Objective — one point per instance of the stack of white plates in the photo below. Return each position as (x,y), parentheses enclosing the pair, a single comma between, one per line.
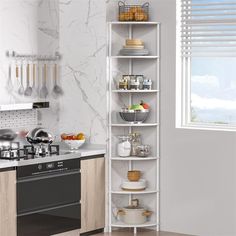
(134,185)
(134,47)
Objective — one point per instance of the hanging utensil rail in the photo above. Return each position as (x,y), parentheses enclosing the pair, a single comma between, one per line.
(14,55)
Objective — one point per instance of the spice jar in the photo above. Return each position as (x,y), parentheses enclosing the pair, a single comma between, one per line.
(140,78)
(124,146)
(135,142)
(143,150)
(124,82)
(147,84)
(134,83)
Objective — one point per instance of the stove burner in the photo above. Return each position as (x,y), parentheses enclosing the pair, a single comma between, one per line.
(11,151)
(41,150)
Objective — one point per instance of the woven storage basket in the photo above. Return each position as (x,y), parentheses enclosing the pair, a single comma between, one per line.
(133,12)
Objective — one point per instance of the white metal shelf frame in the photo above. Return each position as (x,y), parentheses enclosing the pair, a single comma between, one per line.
(111,125)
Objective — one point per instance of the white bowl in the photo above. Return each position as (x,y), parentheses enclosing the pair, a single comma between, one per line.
(75,144)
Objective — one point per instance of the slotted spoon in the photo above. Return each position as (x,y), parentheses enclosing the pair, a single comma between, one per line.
(44,91)
(57,90)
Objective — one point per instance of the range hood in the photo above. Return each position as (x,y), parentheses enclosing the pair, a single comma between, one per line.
(24,106)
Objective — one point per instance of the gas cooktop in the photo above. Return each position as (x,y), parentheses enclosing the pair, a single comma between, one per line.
(12,151)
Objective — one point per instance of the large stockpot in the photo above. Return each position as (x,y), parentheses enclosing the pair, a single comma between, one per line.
(133,215)
(39,135)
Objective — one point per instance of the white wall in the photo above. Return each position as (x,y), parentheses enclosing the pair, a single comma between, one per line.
(198,168)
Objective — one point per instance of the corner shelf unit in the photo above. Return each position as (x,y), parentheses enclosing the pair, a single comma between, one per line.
(149,66)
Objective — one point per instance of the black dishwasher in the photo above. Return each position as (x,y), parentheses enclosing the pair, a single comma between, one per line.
(48,198)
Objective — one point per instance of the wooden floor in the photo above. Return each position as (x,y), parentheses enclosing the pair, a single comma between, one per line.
(126,233)
(143,233)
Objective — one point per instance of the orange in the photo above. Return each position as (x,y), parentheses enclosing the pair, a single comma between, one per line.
(80,136)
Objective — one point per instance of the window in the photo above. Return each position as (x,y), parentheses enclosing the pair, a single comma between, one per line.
(206,63)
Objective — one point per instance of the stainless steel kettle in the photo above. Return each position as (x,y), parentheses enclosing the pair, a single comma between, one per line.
(39,135)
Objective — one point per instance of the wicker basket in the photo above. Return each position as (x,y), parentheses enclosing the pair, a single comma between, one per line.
(133,12)
(134,175)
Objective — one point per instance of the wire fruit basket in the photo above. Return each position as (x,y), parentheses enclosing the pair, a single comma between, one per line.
(133,12)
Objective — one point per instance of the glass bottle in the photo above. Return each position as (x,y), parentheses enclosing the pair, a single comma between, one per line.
(135,142)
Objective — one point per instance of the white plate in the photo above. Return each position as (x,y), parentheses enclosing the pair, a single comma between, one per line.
(134,185)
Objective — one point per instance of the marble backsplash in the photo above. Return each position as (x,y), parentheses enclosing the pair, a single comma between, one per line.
(77,30)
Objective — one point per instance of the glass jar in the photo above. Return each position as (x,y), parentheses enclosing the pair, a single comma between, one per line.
(147,84)
(124,146)
(140,78)
(135,142)
(134,83)
(123,83)
(143,150)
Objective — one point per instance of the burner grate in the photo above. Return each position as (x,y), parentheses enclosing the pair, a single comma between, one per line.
(42,150)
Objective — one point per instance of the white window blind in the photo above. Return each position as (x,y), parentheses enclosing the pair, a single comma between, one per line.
(208,28)
(206,64)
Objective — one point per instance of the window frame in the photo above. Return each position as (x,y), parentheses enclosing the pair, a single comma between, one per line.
(183,88)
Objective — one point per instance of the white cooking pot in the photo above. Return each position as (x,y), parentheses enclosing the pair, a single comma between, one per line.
(133,215)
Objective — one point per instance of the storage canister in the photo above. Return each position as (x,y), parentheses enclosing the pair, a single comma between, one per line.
(124,146)
(147,84)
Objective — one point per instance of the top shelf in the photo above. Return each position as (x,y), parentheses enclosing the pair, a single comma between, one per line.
(134,23)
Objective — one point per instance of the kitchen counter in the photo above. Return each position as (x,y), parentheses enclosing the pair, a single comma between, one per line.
(88,150)
(65,153)
(7,164)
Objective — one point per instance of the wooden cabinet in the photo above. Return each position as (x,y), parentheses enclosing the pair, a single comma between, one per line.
(92,194)
(8,203)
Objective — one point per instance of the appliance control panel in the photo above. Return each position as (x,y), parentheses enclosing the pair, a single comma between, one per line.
(48,168)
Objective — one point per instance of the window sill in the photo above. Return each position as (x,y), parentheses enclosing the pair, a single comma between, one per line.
(208,127)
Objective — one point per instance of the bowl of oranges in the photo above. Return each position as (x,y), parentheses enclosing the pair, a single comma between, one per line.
(74,141)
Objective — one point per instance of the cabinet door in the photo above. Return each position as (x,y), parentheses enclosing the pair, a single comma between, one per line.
(92,194)
(8,203)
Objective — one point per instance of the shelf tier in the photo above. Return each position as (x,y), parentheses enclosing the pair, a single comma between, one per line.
(122,192)
(133,57)
(134,125)
(134,158)
(123,225)
(135,91)
(134,23)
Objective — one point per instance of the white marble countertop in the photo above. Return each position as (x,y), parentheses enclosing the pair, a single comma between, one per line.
(87,150)
(65,153)
(7,164)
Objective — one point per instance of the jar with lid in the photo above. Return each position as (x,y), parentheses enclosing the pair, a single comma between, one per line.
(124,82)
(135,142)
(134,83)
(124,146)
(140,78)
(147,84)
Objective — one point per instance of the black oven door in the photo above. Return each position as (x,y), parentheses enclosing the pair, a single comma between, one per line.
(48,204)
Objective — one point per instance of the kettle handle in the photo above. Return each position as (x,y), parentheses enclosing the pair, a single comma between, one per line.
(120,212)
(147,213)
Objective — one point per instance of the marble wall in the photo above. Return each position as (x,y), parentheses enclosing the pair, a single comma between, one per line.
(83,68)
(27,27)
(77,29)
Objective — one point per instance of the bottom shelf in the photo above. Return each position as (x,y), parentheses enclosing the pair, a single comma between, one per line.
(123,225)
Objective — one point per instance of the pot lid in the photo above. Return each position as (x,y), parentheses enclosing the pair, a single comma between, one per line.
(133,208)
(39,135)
